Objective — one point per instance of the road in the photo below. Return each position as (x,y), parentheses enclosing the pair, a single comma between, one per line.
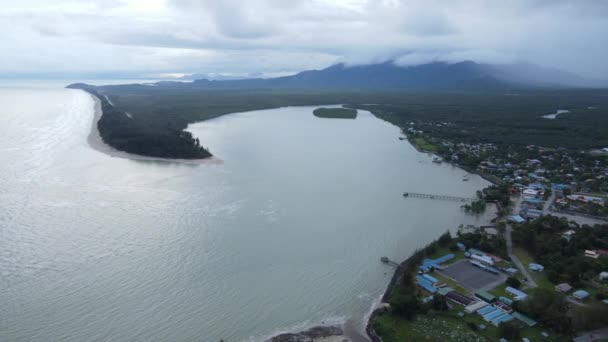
(600,334)
(508,230)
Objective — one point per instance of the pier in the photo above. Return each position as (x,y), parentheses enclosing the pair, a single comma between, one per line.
(439,197)
(386,260)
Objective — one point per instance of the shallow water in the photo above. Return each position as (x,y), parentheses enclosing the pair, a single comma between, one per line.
(285,234)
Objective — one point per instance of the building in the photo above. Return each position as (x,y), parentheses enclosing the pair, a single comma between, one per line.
(523,318)
(517,294)
(580,294)
(484,259)
(592,254)
(473,307)
(536,267)
(564,287)
(485,296)
(604,276)
(517,219)
(459,298)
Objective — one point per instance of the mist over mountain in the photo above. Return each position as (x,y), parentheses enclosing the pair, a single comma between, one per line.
(465,75)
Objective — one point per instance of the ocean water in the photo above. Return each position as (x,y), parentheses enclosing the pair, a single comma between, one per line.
(285,234)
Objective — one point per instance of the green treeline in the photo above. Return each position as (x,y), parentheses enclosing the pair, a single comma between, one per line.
(161,113)
(335,113)
(134,135)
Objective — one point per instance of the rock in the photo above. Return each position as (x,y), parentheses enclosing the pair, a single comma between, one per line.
(306,336)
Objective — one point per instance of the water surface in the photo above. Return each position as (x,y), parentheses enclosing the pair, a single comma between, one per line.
(285,234)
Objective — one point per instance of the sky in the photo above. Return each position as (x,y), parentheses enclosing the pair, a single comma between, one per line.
(166,38)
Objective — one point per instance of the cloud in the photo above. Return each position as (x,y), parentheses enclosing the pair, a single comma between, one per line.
(276,36)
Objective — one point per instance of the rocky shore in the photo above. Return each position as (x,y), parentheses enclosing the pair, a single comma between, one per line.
(317,334)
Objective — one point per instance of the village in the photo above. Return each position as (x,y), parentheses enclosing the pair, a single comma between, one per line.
(540,271)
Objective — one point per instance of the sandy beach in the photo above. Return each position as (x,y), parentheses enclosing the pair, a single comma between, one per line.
(96,142)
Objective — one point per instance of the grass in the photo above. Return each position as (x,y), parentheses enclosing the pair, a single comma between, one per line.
(447,326)
(451,283)
(539,277)
(441,251)
(499,291)
(424,145)
(430,327)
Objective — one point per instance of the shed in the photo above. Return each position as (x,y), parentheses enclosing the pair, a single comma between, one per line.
(461,246)
(485,296)
(580,294)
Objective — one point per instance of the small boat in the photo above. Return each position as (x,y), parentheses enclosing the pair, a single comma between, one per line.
(406,194)
(384,260)
(437,160)
(401,138)
(465,178)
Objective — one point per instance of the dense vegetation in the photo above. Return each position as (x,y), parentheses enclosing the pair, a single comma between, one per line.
(564,259)
(503,118)
(335,113)
(138,136)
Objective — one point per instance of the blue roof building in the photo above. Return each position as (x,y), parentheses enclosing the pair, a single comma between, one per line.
(517,295)
(518,219)
(580,294)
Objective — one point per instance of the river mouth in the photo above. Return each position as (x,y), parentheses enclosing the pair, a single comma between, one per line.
(286,234)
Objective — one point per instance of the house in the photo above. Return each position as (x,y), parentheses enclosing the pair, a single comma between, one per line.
(592,254)
(530,193)
(461,246)
(511,270)
(568,234)
(564,287)
(517,219)
(517,295)
(536,267)
(580,294)
(490,231)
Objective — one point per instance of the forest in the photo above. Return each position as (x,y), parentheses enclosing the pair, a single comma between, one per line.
(161,113)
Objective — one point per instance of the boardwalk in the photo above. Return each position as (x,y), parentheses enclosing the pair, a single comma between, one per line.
(439,197)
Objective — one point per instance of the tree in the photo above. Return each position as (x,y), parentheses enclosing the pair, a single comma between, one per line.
(445,239)
(439,303)
(513,282)
(509,330)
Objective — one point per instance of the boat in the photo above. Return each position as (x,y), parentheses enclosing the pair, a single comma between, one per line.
(465,178)
(401,138)
(437,160)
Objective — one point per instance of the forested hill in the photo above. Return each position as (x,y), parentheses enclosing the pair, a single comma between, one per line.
(436,76)
(137,135)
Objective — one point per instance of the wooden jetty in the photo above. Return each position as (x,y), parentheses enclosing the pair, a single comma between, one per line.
(439,197)
(386,260)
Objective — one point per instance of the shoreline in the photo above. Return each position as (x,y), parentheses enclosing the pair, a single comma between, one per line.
(398,273)
(95,141)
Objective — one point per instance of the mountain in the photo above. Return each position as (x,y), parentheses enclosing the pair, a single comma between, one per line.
(432,76)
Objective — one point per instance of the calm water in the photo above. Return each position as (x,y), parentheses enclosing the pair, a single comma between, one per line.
(286,234)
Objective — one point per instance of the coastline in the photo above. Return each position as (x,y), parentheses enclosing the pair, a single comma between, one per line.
(96,142)
(378,308)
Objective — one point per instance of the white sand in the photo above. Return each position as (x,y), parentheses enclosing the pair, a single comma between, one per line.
(95,141)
